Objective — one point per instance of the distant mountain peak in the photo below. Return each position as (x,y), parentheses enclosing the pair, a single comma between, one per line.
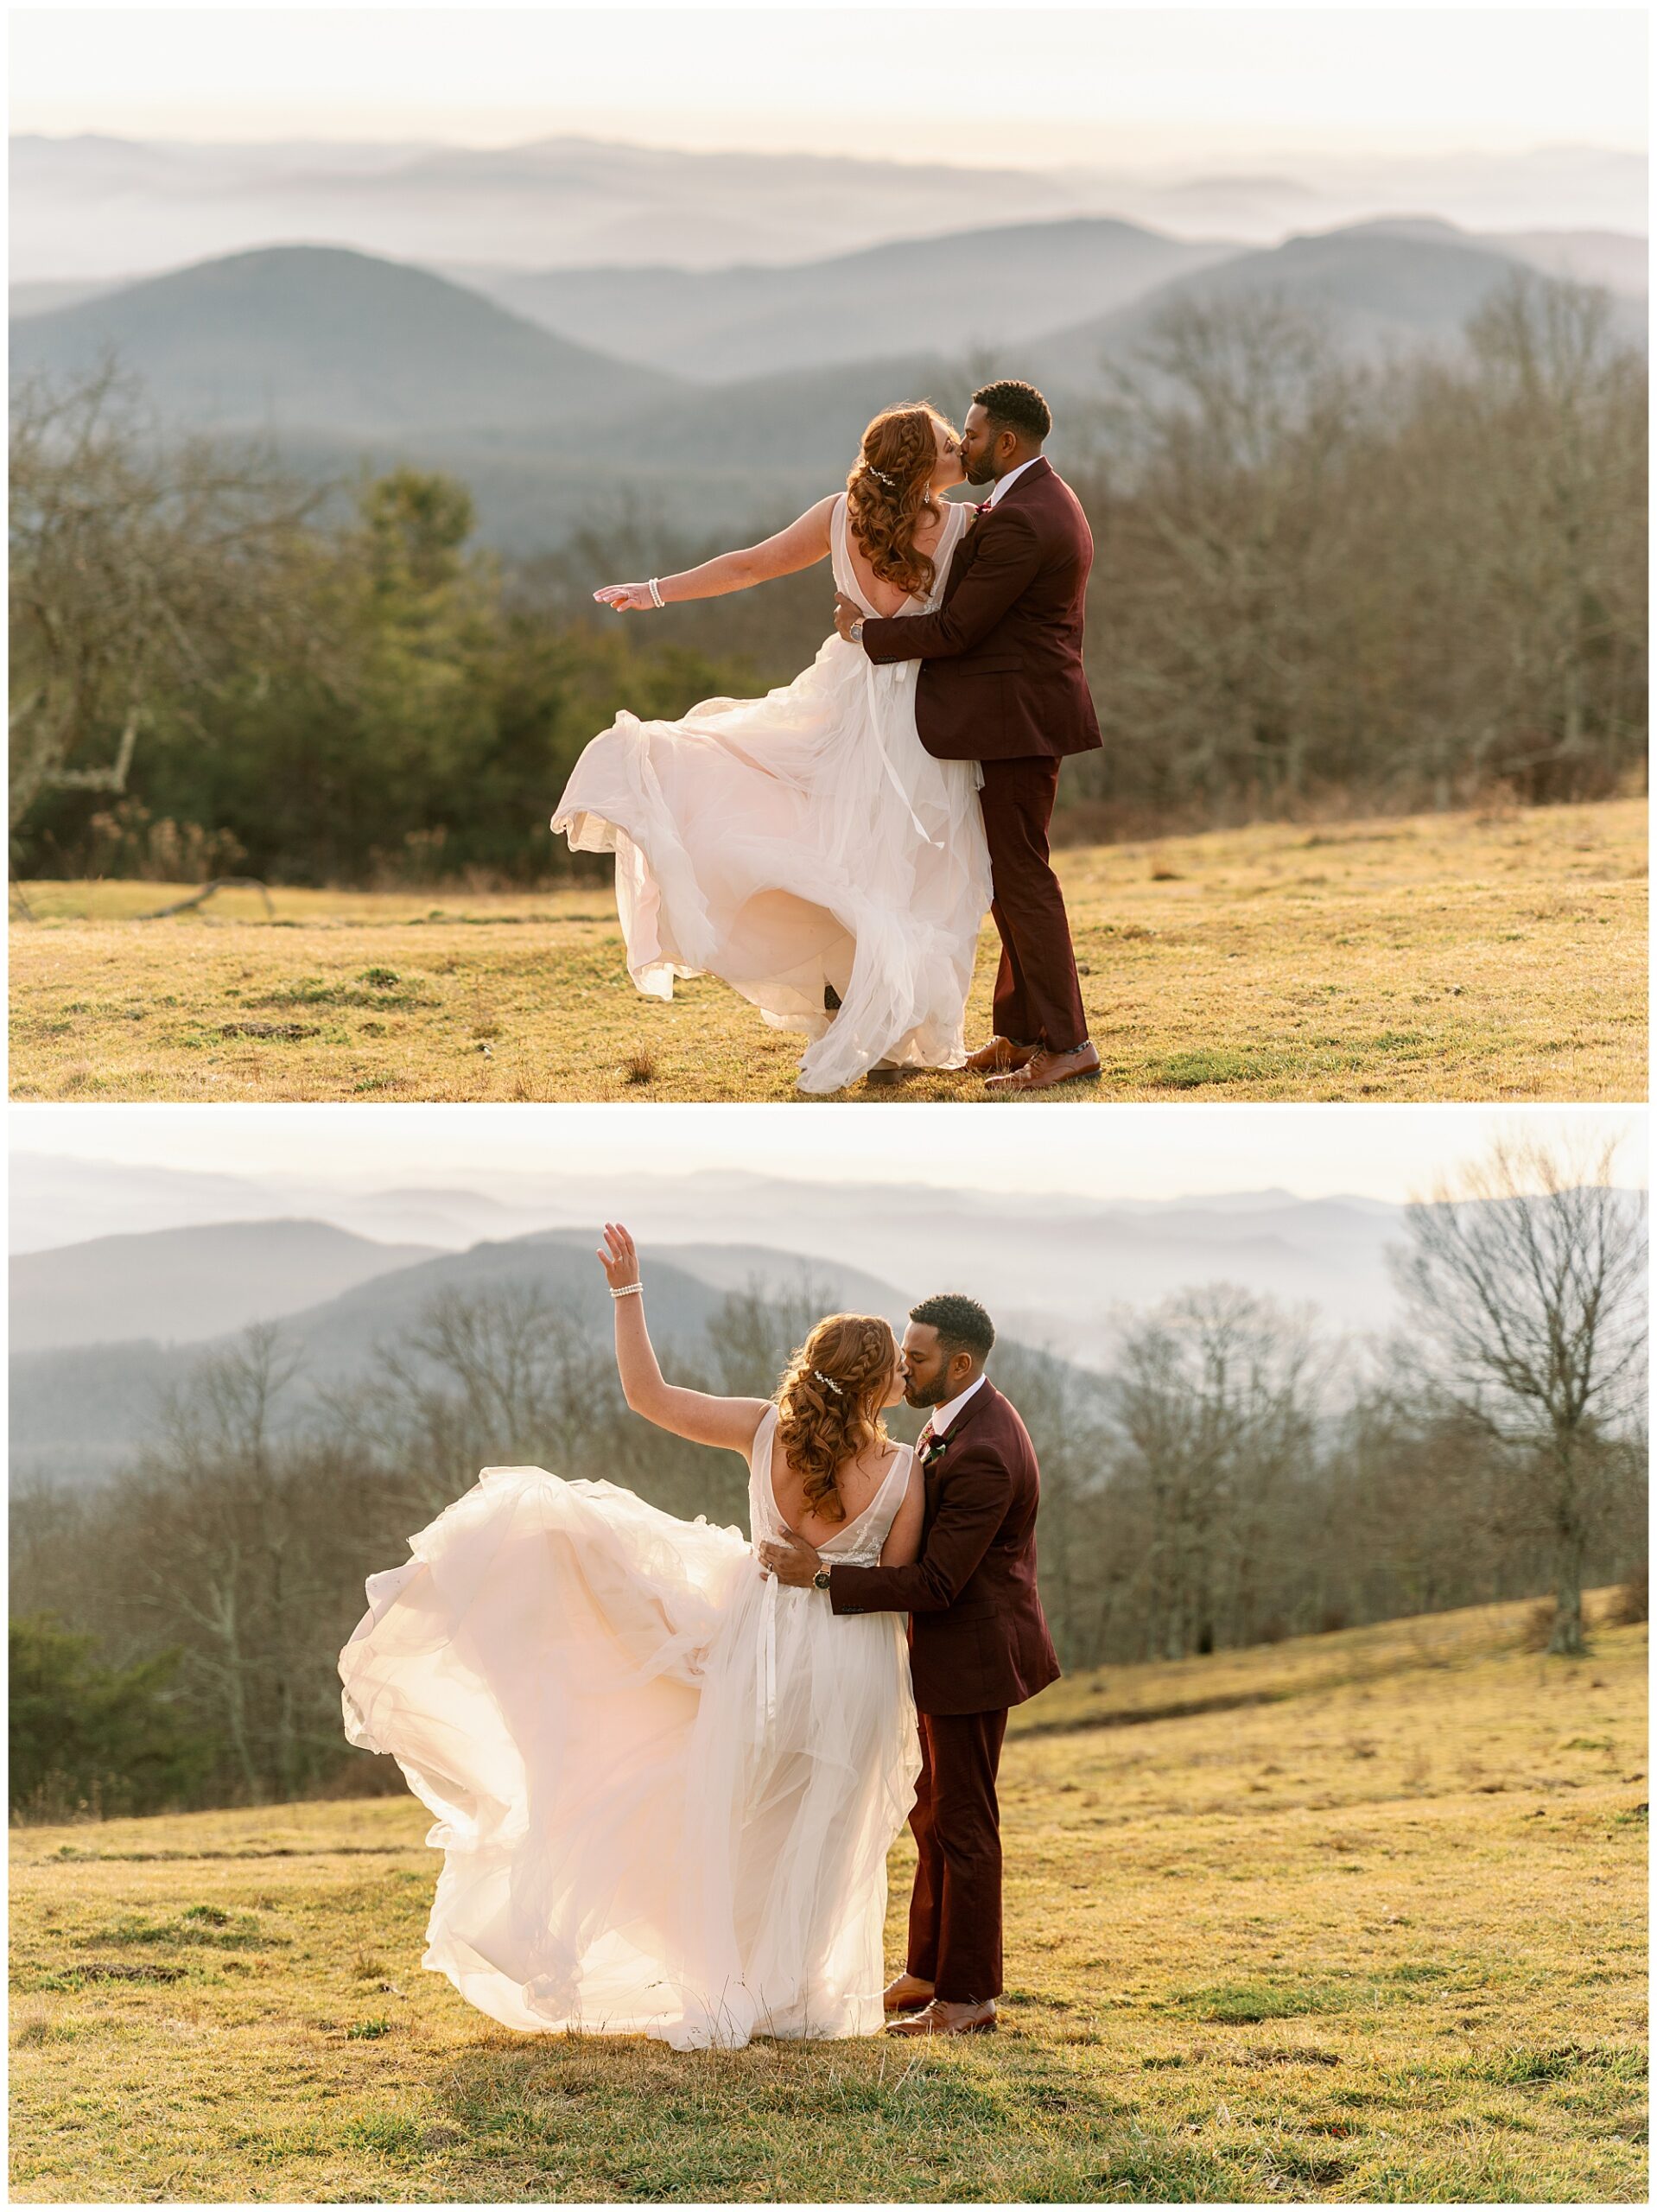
(312,336)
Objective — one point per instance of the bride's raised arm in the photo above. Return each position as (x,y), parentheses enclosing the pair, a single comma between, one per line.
(803,543)
(731,1423)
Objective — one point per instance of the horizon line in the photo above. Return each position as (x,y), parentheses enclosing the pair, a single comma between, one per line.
(1456,150)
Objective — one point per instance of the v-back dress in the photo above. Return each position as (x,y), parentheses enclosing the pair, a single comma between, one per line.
(802,840)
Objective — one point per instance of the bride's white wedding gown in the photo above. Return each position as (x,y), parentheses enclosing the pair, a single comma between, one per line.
(665,1785)
(803,839)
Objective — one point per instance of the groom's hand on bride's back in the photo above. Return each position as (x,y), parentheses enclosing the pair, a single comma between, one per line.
(792,1561)
(846,611)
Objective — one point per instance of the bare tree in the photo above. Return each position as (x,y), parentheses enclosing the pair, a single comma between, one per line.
(1321,581)
(513,1374)
(1525,1276)
(1215,1402)
(1506,550)
(211,1549)
(1233,433)
(494,1376)
(755,1331)
(141,576)
(1563,429)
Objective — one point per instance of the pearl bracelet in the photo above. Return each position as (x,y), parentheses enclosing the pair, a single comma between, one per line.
(628,1290)
(656,591)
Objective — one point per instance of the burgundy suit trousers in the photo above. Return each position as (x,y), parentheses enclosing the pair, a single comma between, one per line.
(954,1914)
(1037,997)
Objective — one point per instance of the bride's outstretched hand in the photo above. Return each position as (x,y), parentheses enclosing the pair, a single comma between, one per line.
(624,599)
(618,1257)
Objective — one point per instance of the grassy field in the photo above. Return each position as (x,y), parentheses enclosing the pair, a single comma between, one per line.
(1449,956)
(1366,1924)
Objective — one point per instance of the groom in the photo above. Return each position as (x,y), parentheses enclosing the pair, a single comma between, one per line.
(1001,681)
(978,1644)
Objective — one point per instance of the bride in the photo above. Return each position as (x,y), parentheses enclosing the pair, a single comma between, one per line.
(805,847)
(665,1785)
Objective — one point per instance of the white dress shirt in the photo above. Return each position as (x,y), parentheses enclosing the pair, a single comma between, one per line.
(1003,484)
(945,1414)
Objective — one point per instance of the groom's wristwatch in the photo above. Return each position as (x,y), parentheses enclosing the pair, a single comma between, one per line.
(820,1580)
(854,635)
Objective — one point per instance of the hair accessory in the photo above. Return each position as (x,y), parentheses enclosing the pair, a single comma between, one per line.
(628,1290)
(656,591)
(828,1382)
(880,477)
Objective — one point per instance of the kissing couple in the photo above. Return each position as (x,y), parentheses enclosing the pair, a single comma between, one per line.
(668,1762)
(830,849)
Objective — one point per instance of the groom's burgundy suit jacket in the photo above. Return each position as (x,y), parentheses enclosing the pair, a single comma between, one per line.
(978,1639)
(1001,676)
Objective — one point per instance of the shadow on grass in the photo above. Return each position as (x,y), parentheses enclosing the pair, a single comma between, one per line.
(846,2121)
(1245,2004)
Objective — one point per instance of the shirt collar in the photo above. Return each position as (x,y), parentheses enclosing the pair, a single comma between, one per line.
(1003,484)
(945,1414)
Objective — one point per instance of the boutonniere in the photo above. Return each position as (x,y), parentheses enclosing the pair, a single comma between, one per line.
(933,1452)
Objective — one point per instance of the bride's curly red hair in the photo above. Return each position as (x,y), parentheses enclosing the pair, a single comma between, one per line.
(828,1402)
(886,492)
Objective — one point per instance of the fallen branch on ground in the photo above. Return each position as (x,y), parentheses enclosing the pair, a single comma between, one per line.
(201,898)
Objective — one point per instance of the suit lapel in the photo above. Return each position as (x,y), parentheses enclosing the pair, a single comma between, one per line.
(974,1406)
(932,1476)
(1039,471)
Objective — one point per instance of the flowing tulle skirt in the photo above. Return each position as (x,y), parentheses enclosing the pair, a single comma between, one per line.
(797,840)
(665,1787)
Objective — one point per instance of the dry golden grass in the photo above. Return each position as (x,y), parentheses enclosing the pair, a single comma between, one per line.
(1376,1934)
(1447,956)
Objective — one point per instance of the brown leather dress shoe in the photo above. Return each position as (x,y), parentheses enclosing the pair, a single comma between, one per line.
(941,2018)
(999,1057)
(1044,1069)
(907,1994)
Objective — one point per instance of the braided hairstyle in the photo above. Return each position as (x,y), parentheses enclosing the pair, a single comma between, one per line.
(889,491)
(829,1403)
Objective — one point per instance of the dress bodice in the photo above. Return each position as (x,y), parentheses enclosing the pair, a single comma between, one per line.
(957,518)
(859,1542)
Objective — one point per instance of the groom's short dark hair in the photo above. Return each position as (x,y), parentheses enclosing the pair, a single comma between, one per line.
(1015,406)
(962,1324)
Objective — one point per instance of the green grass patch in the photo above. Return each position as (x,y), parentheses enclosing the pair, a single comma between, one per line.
(1196,1071)
(219,1931)
(1245,2004)
(383,990)
(1560,2062)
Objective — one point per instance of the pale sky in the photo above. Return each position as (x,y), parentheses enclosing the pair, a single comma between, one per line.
(1149,89)
(1122,1151)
